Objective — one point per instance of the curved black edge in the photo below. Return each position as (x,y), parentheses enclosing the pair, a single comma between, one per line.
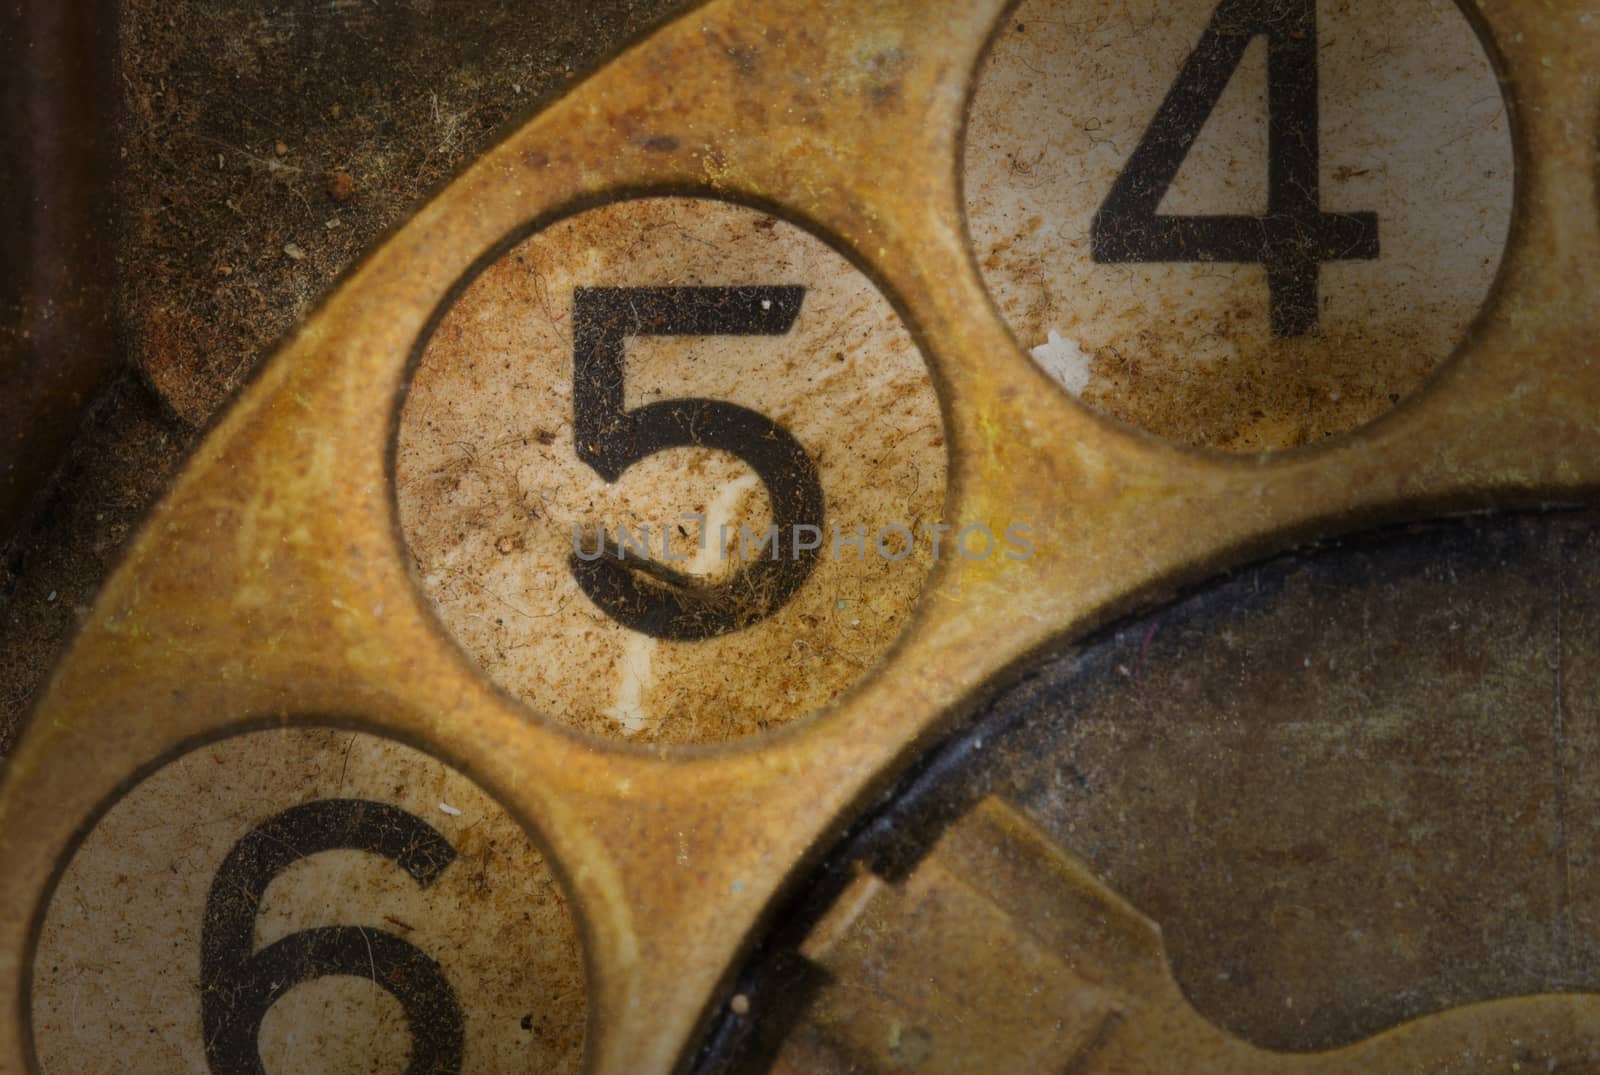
(894,834)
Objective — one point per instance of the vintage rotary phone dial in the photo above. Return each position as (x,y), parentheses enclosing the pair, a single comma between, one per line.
(692,599)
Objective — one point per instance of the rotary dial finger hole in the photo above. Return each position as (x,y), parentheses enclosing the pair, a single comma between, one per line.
(669,470)
(1248,225)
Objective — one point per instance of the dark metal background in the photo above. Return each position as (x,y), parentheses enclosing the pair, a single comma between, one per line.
(1354,785)
(152,228)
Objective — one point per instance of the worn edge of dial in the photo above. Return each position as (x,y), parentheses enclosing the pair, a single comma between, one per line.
(1128,515)
(895,832)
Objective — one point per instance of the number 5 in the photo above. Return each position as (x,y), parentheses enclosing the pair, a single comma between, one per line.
(610,438)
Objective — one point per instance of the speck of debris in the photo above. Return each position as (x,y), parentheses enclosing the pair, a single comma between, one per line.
(1065,361)
(341,184)
(294,251)
(527,1021)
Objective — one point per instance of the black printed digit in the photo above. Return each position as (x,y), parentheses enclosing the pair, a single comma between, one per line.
(1295,236)
(238,984)
(609,438)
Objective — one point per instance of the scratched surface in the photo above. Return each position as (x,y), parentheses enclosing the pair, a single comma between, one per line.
(1408,124)
(1354,787)
(121,982)
(496,488)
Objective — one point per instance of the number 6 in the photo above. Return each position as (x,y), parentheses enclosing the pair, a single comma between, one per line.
(239,985)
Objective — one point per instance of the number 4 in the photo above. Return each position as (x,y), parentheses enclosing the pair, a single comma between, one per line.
(1295,236)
